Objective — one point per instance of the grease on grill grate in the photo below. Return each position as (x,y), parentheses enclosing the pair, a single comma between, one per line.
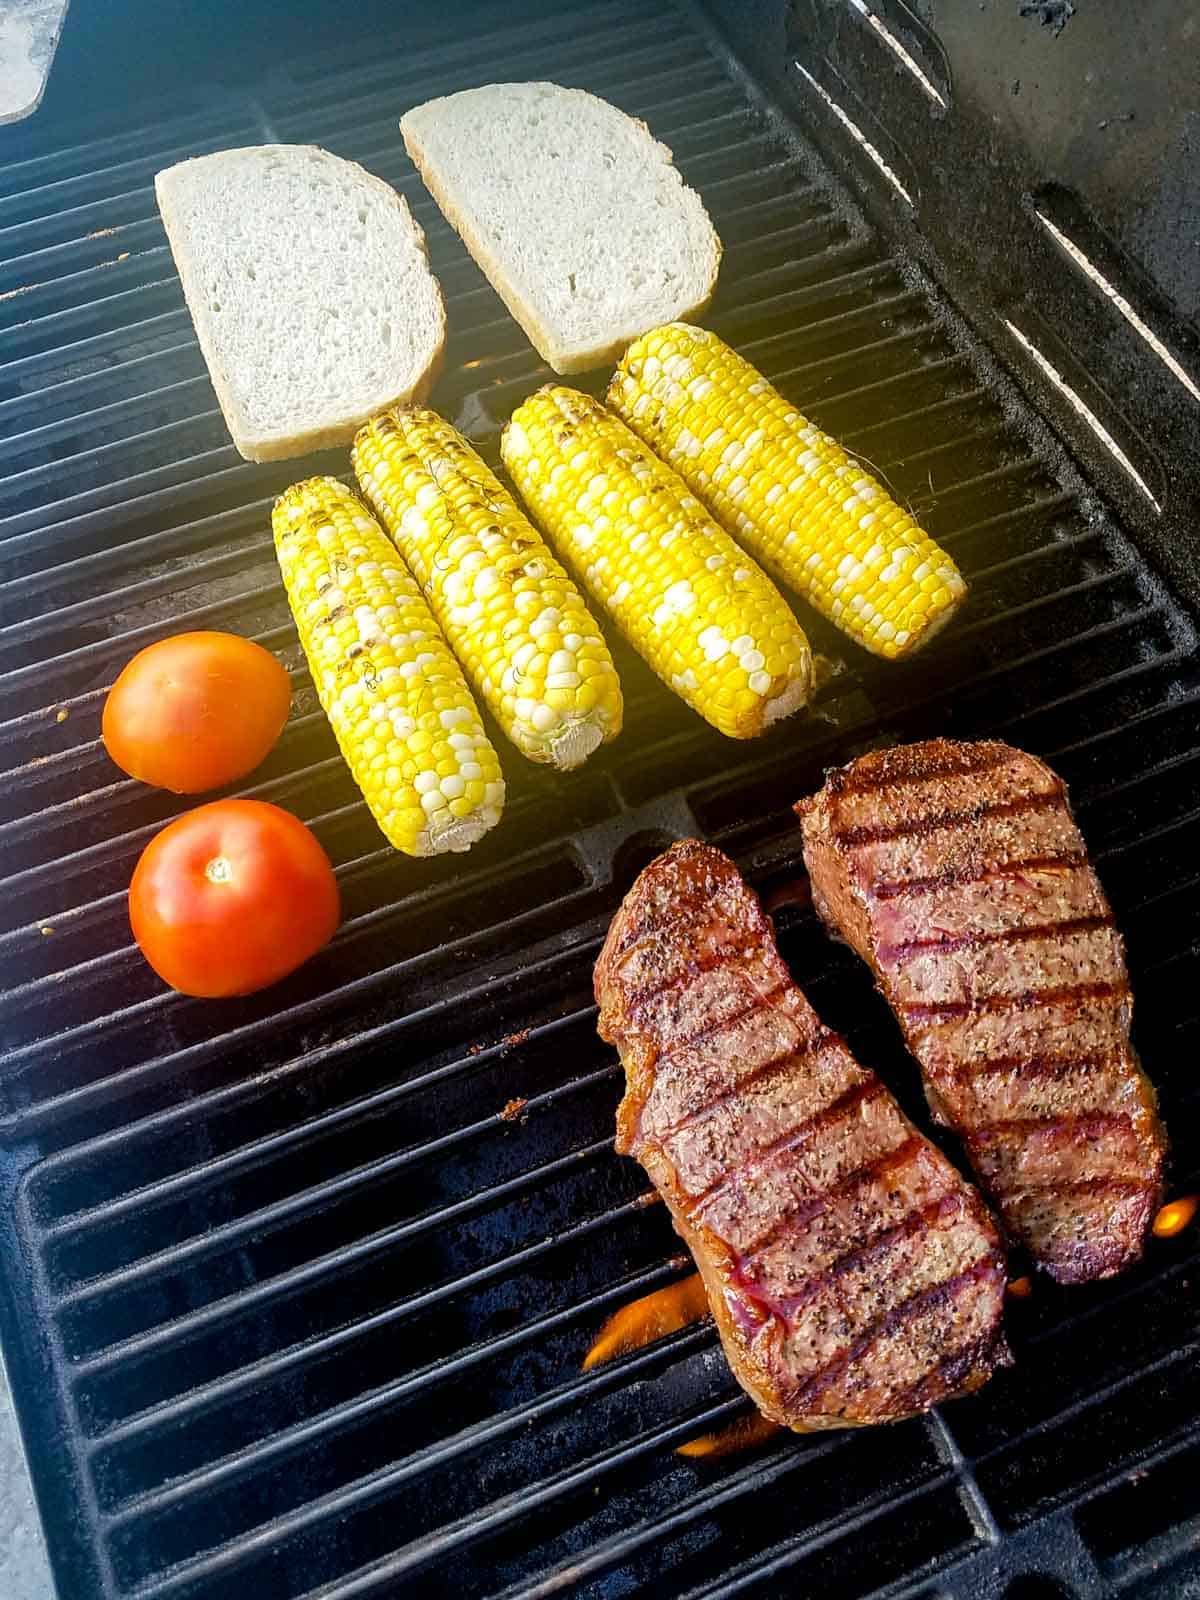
(296,1307)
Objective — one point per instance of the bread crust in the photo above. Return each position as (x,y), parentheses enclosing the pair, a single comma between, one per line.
(340,430)
(562,359)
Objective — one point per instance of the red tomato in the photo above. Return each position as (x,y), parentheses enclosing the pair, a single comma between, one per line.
(232,897)
(196,712)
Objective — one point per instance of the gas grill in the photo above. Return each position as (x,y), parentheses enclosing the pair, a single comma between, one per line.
(296,1288)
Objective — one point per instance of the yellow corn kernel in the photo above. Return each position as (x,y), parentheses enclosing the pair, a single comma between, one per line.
(393,692)
(701,613)
(513,616)
(814,517)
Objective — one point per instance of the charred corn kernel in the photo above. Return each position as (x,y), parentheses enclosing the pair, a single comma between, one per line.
(512,614)
(815,518)
(1174,1217)
(705,617)
(401,710)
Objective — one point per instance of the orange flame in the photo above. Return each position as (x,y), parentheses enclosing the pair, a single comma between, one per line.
(652,1317)
(1174,1217)
(744,1433)
(1020,1288)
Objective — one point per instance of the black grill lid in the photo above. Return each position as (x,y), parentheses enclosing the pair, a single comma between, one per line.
(289,1307)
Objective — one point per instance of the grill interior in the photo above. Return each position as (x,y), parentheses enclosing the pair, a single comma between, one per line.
(293,1305)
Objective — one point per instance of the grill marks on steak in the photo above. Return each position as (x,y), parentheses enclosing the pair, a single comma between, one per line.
(853,1275)
(957,872)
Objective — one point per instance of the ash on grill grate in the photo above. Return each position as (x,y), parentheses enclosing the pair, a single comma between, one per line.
(294,1306)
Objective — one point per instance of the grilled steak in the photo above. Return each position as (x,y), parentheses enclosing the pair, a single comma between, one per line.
(957,872)
(854,1276)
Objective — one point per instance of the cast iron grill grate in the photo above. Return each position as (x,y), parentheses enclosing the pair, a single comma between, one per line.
(291,1308)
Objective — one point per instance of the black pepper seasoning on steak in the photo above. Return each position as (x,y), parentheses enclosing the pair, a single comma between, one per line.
(957,872)
(854,1276)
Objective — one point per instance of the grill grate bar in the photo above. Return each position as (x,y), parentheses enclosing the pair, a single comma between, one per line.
(27,402)
(334,87)
(1150,835)
(1091,1401)
(164,545)
(115,492)
(168,1414)
(169,999)
(17,374)
(305,1201)
(950,407)
(228,563)
(46,260)
(76,1101)
(1102,630)
(1101,580)
(1176,704)
(1163,664)
(1185,886)
(134,638)
(1171,764)
(143,493)
(765,347)
(71,319)
(49,433)
(371,121)
(30,295)
(856,274)
(1088,1483)
(1123,1296)
(319,1267)
(748,1479)
(210,125)
(31,475)
(581,1388)
(1040,508)
(756,285)
(193,1179)
(1088,539)
(19,935)
(800,186)
(753,1572)
(271,787)
(478,1525)
(107,209)
(786,377)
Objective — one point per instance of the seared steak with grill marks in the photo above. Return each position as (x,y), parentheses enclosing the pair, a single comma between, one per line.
(854,1276)
(957,872)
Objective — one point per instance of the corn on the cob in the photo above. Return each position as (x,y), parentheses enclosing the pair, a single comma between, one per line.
(789,492)
(705,617)
(403,715)
(513,616)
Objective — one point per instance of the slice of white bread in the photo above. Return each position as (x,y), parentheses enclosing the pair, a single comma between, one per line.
(573,210)
(310,289)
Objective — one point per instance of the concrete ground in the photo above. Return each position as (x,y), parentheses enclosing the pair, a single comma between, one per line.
(24,1572)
